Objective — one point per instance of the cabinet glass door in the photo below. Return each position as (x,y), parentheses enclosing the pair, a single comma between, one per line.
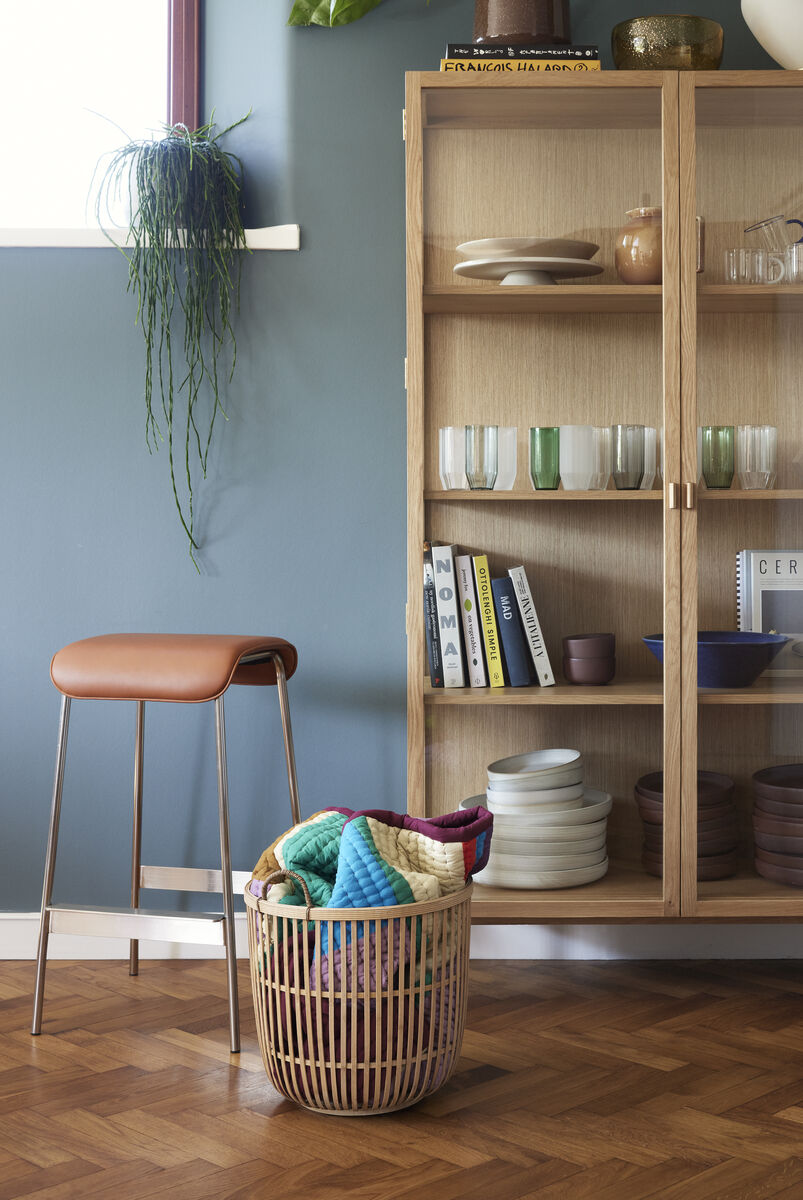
(518,192)
(741,150)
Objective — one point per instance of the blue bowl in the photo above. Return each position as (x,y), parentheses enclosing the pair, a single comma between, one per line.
(726,658)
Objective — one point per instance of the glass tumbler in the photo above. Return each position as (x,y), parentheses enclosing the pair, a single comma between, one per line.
(482,456)
(452,456)
(545,457)
(627,456)
(718,456)
(650,458)
(506,474)
(745,265)
(793,263)
(576,457)
(602,458)
(756,456)
(775,233)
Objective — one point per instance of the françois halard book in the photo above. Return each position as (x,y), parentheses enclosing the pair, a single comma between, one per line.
(449,623)
(515,648)
(493,657)
(532,627)
(512,66)
(472,629)
(431,621)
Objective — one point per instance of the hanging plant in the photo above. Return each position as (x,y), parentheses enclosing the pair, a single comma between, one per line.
(183,248)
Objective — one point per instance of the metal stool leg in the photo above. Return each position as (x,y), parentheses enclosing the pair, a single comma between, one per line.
(287,730)
(225,867)
(136,837)
(50,866)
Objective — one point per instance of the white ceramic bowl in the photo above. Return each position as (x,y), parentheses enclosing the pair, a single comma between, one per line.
(523,848)
(596,805)
(508,810)
(545,862)
(534,762)
(558,795)
(493,876)
(560,777)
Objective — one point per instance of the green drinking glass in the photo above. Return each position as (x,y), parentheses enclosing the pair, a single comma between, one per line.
(545,457)
(718,456)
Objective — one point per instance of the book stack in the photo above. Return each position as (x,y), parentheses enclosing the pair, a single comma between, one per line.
(480,632)
(467,57)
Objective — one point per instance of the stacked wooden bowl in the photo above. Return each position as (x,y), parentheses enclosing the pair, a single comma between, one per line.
(717,830)
(778,823)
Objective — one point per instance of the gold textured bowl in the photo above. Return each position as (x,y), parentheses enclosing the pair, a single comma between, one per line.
(667,43)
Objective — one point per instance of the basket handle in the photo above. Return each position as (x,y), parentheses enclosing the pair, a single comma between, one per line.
(280,876)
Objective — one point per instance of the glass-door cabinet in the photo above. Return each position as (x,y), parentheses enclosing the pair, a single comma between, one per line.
(741,138)
(519,320)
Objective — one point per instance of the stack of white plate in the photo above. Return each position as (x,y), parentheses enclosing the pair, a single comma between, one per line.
(549,829)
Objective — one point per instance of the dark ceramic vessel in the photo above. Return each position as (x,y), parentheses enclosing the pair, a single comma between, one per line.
(728,658)
(589,645)
(595,671)
(712,788)
(778,808)
(784,783)
(785,875)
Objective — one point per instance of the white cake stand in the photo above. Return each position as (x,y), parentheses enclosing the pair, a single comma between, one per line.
(527,272)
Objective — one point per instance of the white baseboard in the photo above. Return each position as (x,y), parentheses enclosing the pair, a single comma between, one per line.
(19,932)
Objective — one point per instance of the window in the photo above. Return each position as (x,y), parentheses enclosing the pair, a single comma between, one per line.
(78,78)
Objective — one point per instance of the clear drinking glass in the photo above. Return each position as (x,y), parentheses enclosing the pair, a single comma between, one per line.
(774,232)
(602,457)
(650,458)
(576,457)
(452,456)
(756,456)
(793,263)
(506,474)
(718,456)
(746,265)
(627,456)
(545,457)
(482,456)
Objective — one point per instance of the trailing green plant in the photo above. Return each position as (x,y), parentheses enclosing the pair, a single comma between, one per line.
(183,245)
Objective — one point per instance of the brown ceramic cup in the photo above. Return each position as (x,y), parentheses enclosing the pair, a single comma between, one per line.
(595,671)
(589,645)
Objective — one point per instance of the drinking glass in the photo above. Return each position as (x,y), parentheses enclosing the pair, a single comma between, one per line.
(718,455)
(545,457)
(482,456)
(576,457)
(793,263)
(452,456)
(756,456)
(775,233)
(602,457)
(745,265)
(506,474)
(650,458)
(627,456)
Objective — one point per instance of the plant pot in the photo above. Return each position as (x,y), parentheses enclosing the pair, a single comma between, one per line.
(512,22)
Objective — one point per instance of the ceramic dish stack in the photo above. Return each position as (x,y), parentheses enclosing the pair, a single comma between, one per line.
(527,261)
(717,830)
(778,823)
(549,828)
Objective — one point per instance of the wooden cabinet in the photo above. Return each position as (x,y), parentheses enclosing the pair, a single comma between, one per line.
(568,156)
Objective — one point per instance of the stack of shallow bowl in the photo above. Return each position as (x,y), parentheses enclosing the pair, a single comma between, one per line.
(549,829)
(778,823)
(717,830)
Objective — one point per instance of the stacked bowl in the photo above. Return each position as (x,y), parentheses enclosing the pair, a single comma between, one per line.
(717,830)
(778,823)
(549,829)
(589,658)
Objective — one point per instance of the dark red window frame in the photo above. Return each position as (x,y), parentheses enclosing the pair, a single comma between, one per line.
(184,63)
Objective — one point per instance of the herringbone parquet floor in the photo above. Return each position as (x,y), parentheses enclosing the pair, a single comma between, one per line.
(612,1081)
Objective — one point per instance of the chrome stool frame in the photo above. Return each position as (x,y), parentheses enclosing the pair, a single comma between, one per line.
(134,922)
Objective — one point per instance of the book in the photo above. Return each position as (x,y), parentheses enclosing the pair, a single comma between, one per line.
(450,625)
(472,629)
(769,599)
(515,651)
(490,633)
(431,621)
(532,626)
(515,65)
(525,50)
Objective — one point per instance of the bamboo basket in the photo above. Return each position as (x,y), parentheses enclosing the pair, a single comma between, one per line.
(359,1010)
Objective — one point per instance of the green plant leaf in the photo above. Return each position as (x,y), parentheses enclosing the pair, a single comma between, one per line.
(329,12)
(309,12)
(343,12)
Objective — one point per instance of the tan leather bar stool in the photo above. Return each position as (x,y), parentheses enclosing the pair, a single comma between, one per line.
(184,669)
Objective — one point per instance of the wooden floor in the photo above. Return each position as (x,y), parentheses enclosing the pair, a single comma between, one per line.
(610,1081)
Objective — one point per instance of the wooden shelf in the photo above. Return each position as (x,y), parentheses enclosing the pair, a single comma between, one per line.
(748,298)
(456,494)
(628,691)
(748,896)
(560,298)
(767,690)
(763,494)
(625,893)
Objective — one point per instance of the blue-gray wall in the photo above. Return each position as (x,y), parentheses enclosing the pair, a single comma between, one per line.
(303,516)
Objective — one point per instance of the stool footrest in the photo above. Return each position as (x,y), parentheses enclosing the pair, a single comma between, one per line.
(190,879)
(160,925)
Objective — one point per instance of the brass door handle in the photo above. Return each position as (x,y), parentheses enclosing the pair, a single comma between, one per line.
(688,499)
(673,495)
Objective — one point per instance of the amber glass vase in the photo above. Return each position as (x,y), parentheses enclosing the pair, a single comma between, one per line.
(516,21)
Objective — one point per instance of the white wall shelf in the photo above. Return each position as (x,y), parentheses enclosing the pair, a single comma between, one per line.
(271,237)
